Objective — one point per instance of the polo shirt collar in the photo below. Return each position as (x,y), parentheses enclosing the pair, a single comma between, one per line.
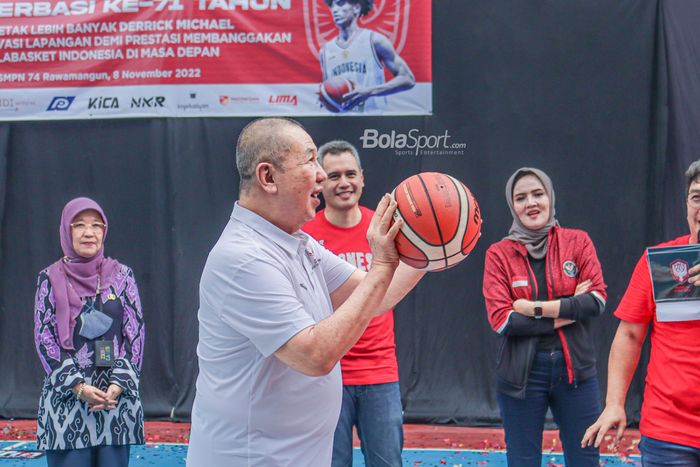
(293,244)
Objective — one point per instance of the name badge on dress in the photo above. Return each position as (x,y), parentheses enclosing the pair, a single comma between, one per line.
(104,353)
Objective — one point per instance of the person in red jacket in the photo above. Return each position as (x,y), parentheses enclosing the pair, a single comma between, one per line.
(670,423)
(543,285)
(371,395)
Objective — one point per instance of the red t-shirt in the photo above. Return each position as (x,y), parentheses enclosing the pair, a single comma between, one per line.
(671,407)
(373,358)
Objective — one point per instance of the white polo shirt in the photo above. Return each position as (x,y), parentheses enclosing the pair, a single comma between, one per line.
(260,287)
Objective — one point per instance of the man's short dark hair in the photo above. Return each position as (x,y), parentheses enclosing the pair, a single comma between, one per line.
(262,140)
(692,175)
(365,5)
(337,147)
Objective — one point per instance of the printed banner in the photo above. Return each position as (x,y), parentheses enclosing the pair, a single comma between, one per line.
(194,58)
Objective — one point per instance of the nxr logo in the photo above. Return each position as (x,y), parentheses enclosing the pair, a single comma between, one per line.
(149,102)
(283,99)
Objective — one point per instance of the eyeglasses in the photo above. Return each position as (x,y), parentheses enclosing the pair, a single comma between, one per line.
(694,200)
(82,227)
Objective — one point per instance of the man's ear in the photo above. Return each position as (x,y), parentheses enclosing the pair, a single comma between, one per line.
(265,175)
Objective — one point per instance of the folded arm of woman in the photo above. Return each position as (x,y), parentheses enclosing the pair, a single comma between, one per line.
(589,298)
(502,313)
(583,304)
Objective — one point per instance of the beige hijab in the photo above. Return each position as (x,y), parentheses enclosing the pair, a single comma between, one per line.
(534,240)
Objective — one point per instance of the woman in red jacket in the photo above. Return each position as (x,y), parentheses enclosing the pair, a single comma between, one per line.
(543,285)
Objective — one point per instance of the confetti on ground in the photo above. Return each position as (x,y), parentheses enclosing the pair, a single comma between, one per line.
(457,446)
(172,455)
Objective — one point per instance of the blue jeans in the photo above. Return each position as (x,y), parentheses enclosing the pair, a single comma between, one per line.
(573,408)
(375,409)
(656,453)
(98,456)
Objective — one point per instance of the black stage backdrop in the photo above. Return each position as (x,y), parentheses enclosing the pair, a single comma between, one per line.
(682,45)
(575,88)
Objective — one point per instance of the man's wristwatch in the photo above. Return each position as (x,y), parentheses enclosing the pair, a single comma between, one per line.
(537,311)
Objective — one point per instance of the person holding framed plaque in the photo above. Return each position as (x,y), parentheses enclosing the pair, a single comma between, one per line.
(671,405)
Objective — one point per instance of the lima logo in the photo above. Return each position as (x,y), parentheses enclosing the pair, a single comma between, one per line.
(60,103)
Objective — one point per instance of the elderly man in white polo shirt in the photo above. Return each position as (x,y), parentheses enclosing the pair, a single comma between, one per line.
(278,311)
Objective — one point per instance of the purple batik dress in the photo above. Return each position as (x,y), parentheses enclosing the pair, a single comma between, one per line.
(64,422)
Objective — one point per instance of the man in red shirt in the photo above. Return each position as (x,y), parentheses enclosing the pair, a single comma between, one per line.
(371,397)
(670,423)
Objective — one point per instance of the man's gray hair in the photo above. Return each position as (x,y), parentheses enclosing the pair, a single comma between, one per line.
(692,175)
(337,147)
(262,140)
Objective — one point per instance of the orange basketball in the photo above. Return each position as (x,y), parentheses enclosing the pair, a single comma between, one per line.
(331,93)
(442,221)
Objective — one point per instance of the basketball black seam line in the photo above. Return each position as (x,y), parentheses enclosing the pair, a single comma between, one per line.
(460,207)
(427,260)
(406,224)
(476,235)
(432,209)
(439,259)
(473,239)
(460,252)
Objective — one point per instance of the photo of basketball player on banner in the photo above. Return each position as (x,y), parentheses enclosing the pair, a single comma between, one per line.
(353,63)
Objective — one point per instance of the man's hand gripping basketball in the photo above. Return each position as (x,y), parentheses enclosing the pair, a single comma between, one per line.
(382,233)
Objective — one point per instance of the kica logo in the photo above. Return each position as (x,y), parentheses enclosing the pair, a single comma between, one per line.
(60,103)
(283,99)
(103,103)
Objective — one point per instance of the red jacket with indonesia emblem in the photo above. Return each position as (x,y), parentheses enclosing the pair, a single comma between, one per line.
(508,276)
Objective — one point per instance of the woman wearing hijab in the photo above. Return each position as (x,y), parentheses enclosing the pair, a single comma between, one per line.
(543,285)
(89,334)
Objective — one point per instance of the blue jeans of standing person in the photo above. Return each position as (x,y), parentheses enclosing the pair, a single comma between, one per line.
(657,453)
(574,409)
(98,456)
(375,409)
